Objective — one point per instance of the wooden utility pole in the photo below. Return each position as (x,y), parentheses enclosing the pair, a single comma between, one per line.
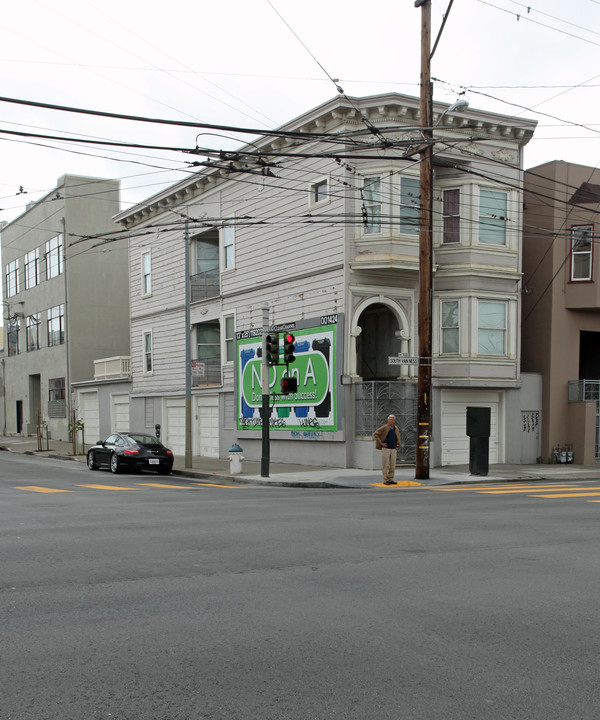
(425,248)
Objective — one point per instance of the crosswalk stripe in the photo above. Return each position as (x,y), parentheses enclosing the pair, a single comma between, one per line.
(38,489)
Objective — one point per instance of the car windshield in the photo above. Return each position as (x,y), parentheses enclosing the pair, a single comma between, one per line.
(144,439)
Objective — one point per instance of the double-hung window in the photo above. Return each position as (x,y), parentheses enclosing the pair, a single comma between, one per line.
(451,216)
(449,327)
(32,332)
(372,205)
(493,217)
(54,257)
(228,237)
(319,192)
(410,205)
(229,321)
(146,273)
(13,337)
(491,335)
(56,325)
(32,262)
(147,353)
(12,278)
(581,252)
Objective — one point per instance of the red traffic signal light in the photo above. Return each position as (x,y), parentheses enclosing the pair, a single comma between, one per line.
(289,348)
(288,385)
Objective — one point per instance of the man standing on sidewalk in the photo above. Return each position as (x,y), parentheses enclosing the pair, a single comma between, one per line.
(387,439)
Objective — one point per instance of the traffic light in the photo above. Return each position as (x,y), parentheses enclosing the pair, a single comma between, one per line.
(289,348)
(273,349)
(289,385)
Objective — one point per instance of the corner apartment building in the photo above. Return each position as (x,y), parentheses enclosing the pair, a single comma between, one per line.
(561,303)
(319,222)
(66,300)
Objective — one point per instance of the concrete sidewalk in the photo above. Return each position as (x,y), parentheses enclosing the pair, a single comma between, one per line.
(287,475)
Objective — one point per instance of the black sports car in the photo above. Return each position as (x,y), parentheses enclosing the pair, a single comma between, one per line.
(130,451)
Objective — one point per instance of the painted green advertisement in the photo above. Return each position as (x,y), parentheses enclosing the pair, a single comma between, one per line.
(313,405)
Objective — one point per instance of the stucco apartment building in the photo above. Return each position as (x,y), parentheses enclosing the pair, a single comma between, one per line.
(66,300)
(561,303)
(319,222)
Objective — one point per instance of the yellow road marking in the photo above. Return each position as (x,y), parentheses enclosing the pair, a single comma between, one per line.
(164,485)
(512,486)
(106,487)
(549,488)
(36,488)
(400,483)
(568,495)
(216,485)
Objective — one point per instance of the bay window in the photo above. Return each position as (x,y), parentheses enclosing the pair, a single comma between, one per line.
(491,333)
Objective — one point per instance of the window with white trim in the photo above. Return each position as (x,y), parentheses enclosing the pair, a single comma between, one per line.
(147,353)
(449,327)
(54,257)
(371,206)
(229,337)
(13,285)
(319,192)
(56,325)
(581,252)
(451,216)
(228,239)
(32,263)
(491,328)
(146,273)
(493,216)
(410,205)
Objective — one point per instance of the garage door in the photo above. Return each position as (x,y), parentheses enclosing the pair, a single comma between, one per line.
(174,432)
(88,413)
(119,418)
(455,442)
(207,434)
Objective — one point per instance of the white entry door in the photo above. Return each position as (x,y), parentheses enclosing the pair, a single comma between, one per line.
(119,420)
(174,425)
(206,437)
(89,414)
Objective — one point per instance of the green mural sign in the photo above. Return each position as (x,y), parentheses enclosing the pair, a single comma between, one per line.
(313,406)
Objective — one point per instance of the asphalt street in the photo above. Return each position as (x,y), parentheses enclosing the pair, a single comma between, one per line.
(130,597)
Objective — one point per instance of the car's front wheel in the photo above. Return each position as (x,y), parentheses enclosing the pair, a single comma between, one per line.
(114,463)
(91,460)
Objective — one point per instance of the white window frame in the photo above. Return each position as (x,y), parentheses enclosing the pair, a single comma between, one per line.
(146,273)
(147,352)
(481,328)
(443,328)
(228,245)
(228,341)
(405,216)
(54,257)
(319,192)
(579,233)
(13,285)
(371,207)
(32,268)
(491,219)
(449,216)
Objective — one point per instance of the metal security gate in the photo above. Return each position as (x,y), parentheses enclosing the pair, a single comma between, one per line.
(376,400)
(585,391)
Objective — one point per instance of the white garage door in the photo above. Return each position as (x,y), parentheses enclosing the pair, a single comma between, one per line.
(88,413)
(174,425)
(119,418)
(207,434)
(455,442)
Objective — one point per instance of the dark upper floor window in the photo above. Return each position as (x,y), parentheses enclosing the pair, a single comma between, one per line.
(581,252)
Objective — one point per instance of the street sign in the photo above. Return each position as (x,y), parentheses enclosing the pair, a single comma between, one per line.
(402,360)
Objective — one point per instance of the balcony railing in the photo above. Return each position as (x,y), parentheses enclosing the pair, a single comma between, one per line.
(114,367)
(206,371)
(204,285)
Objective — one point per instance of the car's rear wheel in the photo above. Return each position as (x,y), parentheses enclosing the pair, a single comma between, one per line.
(91,460)
(114,463)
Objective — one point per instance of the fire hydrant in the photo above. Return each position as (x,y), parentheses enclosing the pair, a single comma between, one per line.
(235,459)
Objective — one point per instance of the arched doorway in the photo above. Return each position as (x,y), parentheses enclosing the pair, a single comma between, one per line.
(378,340)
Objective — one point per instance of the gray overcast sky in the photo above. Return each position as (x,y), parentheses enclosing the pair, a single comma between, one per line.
(236,62)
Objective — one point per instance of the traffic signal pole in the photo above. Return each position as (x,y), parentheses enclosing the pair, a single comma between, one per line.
(425,248)
(265,408)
